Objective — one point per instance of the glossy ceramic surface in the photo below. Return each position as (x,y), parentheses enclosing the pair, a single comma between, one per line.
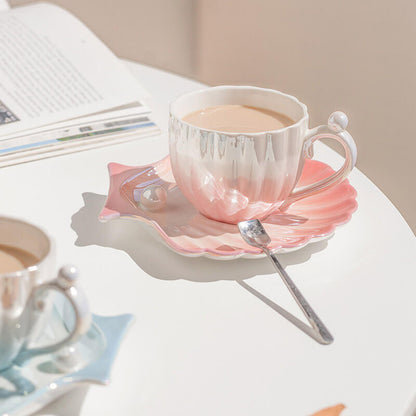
(24,300)
(233,177)
(189,233)
(27,388)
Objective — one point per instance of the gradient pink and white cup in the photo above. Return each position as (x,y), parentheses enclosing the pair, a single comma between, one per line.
(232,177)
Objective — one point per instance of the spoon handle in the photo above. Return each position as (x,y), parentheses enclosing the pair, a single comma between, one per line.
(317,324)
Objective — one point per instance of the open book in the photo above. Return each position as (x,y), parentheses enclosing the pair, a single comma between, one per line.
(61,88)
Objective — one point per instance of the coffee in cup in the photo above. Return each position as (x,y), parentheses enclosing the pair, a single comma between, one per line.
(234,118)
(13,259)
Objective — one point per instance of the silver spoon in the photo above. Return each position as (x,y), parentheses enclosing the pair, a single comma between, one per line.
(254,234)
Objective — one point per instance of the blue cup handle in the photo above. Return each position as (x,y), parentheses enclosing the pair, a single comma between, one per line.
(66,283)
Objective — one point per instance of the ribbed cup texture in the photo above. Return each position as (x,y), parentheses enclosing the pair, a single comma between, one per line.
(233,177)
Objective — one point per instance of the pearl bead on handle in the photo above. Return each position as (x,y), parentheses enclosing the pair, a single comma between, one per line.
(336,130)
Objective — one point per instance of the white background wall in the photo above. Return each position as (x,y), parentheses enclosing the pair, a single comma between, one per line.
(356,56)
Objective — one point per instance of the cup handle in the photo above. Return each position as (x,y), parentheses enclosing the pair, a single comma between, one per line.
(65,283)
(335,129)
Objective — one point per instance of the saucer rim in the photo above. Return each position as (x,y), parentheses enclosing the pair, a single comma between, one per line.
(108,214)
(97,371)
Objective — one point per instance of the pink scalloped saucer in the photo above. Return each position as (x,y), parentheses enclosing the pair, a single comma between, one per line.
(189,233)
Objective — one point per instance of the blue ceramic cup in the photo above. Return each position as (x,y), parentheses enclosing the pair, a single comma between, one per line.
(25,294)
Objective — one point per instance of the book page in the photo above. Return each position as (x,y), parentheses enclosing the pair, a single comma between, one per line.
(75,134)
(52,68)
(136,108)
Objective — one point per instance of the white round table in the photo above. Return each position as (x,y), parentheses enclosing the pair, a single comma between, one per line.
(209,338)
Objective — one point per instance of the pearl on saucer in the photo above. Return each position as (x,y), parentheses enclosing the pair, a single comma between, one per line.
(153,198)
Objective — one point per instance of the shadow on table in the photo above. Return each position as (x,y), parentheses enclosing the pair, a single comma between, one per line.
(138,241)
(69,404)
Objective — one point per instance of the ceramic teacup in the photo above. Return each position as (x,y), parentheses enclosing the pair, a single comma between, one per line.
(24,300)
(231,177)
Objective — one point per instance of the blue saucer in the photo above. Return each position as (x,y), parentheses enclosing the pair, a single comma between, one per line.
(41,379)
